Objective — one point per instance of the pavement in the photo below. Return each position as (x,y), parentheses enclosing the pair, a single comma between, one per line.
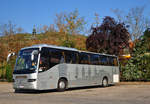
(122,93)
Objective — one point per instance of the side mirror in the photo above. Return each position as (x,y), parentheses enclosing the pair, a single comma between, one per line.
(35,52)
(9,55)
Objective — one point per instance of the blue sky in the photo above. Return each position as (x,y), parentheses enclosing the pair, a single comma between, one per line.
(27,13)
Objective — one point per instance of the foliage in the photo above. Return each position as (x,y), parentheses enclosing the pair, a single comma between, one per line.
(13,43)
(135,20)
(110,37)
(147,36)
(70,23)
(8,73)
(97,20)
(138,67)
(68,43)
(75,24)
(2,70)
(8,28)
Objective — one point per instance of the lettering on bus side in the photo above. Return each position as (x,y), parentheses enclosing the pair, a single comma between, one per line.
(83,73)
(89,72)
(77,73)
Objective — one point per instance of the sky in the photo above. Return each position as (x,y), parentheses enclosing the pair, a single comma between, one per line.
(27,13)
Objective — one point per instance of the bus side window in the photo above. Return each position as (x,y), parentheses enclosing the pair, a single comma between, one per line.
(77,58)
(103,60)
(111,61)
(74,58)
(44,60)
(84,58)
(94,59)
(68,56)
(115,61)
(55,56)
(62,59)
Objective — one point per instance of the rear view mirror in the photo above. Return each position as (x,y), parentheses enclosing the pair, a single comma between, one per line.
(35,52)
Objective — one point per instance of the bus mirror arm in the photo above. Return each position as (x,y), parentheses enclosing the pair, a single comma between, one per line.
(32,57)
(10,55)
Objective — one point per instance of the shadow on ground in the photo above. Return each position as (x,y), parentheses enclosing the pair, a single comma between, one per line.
(55,90)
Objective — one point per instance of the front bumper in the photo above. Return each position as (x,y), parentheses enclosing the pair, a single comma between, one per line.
(25,85)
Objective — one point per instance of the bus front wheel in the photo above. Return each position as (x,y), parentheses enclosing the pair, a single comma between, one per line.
(62,85)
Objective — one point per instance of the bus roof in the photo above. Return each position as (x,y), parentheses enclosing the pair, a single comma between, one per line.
(98,53)
(63,48)
(50,46)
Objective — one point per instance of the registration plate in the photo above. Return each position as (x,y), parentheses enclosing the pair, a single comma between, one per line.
(21,86)
(21,77)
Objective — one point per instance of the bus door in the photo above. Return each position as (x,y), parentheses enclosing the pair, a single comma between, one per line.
(49,68)
(43,68)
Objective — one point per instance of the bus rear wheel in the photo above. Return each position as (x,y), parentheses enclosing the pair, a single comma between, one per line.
(62,85)
(105,82)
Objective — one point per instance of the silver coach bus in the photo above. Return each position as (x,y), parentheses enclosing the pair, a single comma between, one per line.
(43,67)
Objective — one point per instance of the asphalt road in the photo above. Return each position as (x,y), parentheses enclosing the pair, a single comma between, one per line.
(119,94)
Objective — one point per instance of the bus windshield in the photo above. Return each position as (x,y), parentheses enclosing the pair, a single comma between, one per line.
(24,61)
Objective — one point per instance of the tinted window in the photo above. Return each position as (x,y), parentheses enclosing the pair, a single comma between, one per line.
(49,58)
(74,57)
(115,61)
(56,56)
(103,60)
(83,58)
(70,57)
(44,60)
(111,61)
(94,59)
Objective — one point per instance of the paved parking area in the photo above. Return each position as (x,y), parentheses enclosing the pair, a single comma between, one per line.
(119,94)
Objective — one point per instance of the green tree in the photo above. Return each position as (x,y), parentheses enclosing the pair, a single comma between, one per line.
(138,67)
(68,43)
(147,37)
(9,73)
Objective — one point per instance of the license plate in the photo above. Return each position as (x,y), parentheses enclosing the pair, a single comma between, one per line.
(21,86)
(19,77)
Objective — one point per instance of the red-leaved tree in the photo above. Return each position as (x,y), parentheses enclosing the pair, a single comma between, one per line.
(110,37)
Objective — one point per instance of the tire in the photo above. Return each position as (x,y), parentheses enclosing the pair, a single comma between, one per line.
(105,82)
(62,85)
(16,91)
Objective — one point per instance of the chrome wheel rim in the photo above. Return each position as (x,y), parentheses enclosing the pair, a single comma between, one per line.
(104,82)
(62,85)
